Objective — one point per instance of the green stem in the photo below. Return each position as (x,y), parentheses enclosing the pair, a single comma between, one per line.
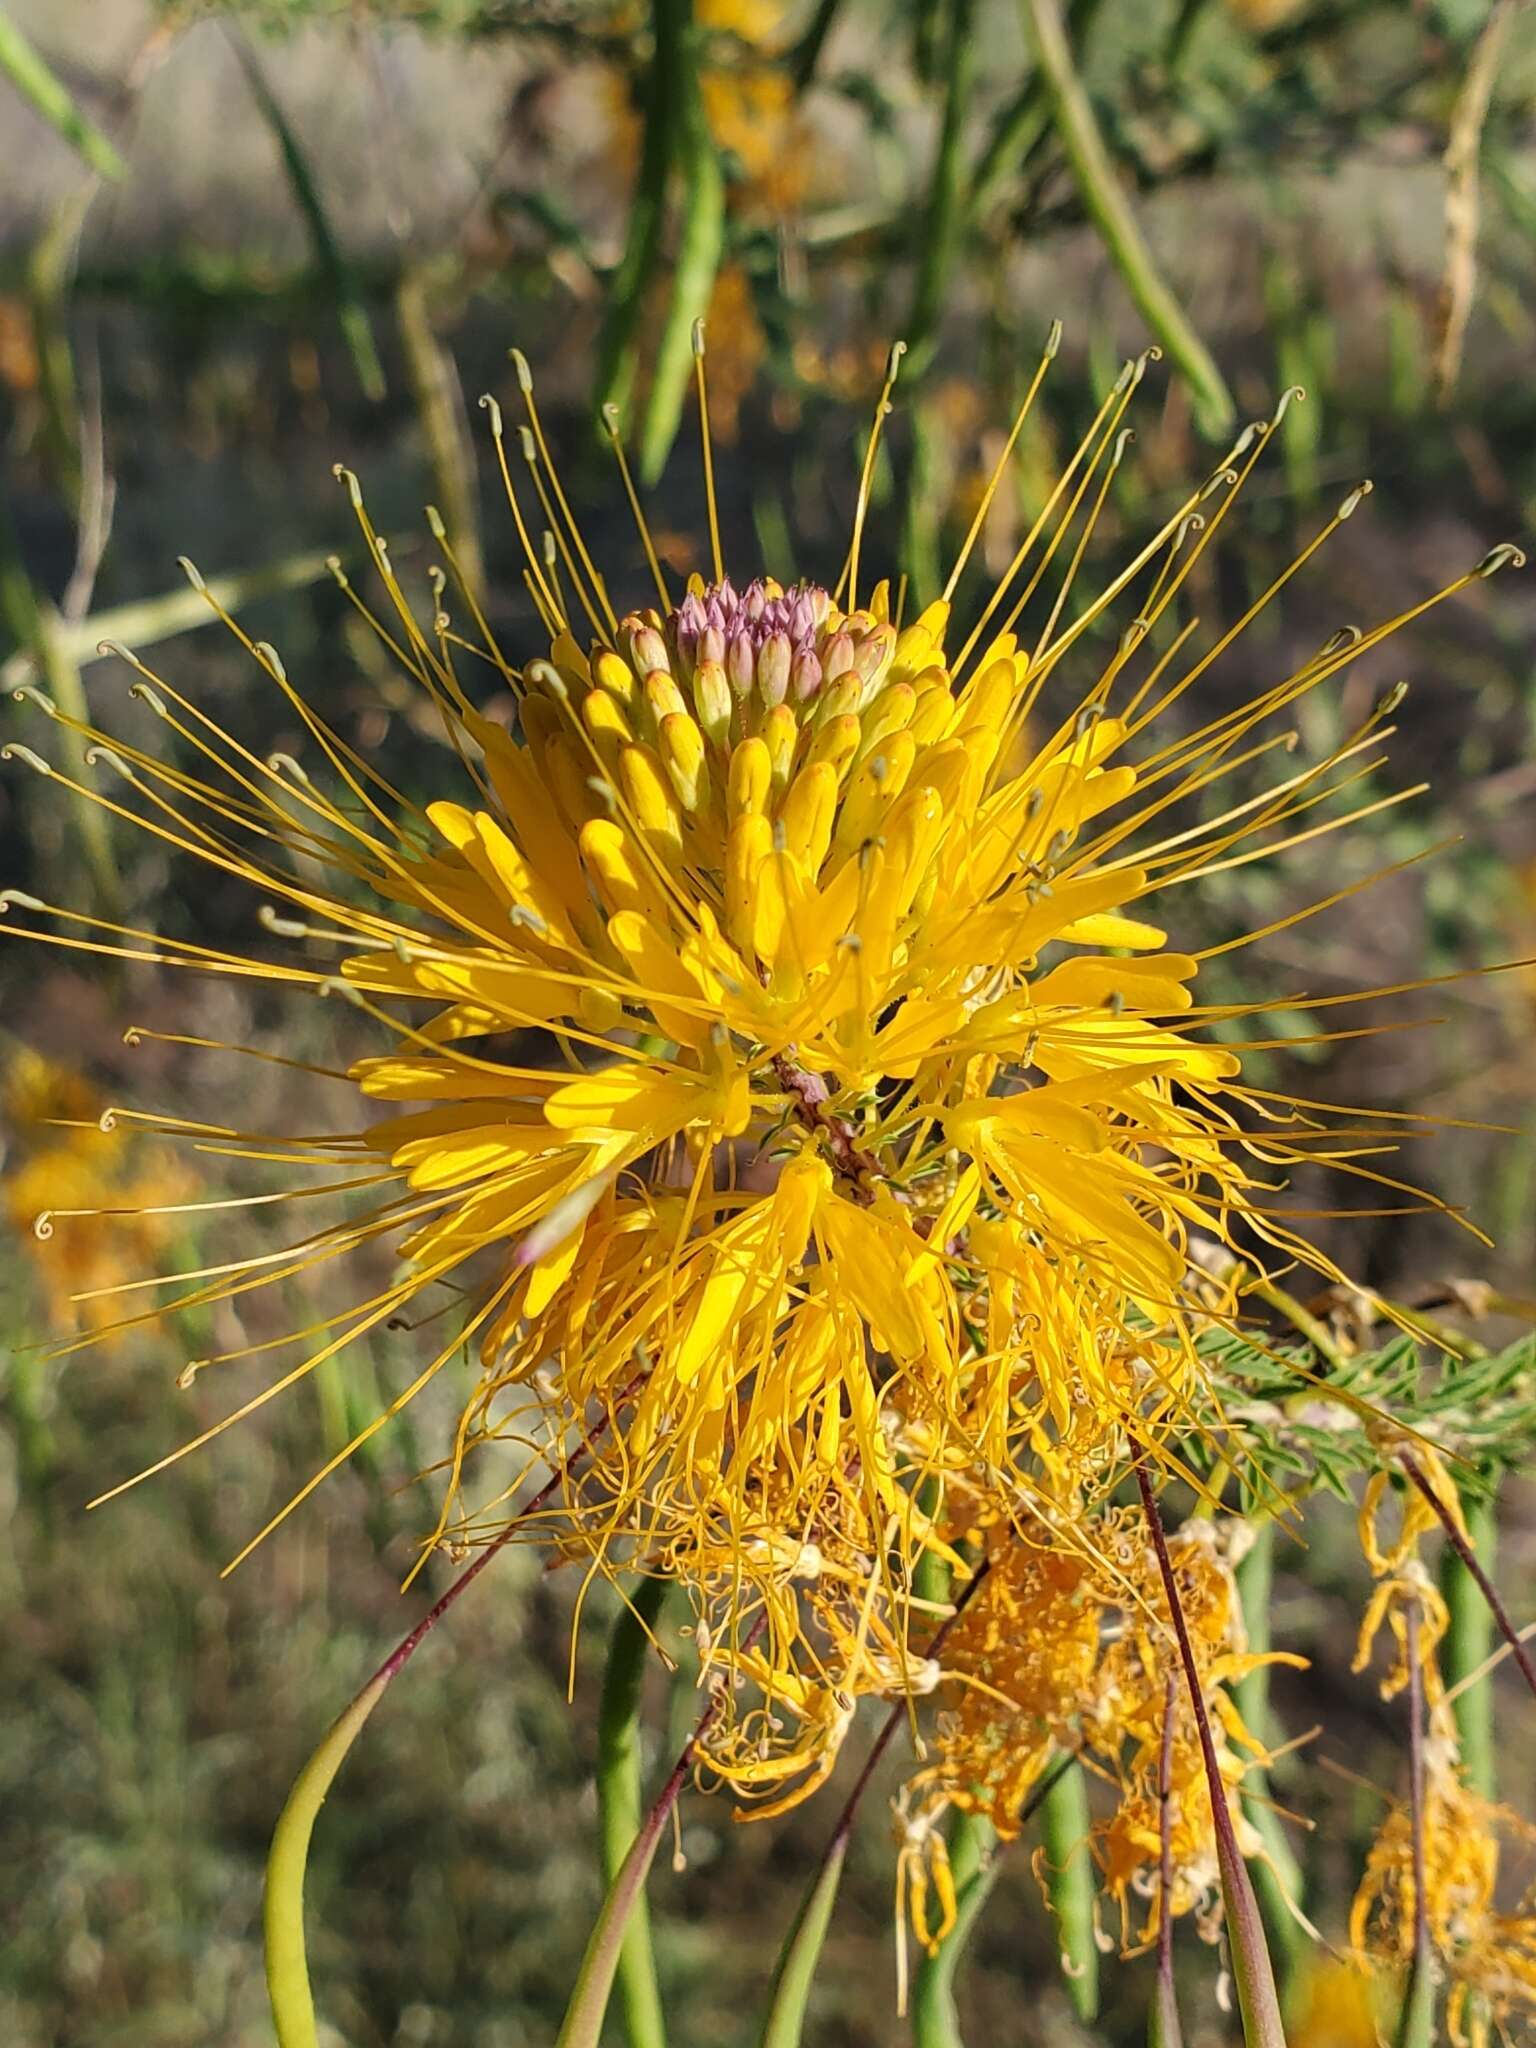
(700,246)
(1064,1826)
(286,1958)
(37,84)
(801,1953)
(940,241)
(582,2026)
(647,213)
(619,1801)
(935,2022)
(1279,1877)
(1109,209)
(1468,1643)
(351,313)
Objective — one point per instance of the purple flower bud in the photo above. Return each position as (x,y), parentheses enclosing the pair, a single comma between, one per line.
(711,645)
(739,661)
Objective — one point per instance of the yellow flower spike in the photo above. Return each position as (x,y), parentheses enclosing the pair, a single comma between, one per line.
(750,844)
(836,742)
(808,814)
(610,729)
(647,786)
(663,698)
(781,736)
(713,701)
(611,672)
(751,775)
(681,746)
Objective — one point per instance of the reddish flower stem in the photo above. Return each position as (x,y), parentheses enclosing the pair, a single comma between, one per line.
(1257,1996)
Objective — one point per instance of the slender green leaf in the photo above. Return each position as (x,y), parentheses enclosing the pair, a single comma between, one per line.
(47,96)
(1111,213)
(801,1952)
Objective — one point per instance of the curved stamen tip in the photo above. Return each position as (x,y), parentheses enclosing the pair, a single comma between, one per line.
(111,758)
(13,750)
(491,406)
(1391,699)
(272,920)
(1505,556)
(520,365)
(193,574)
(893,360)
(1294,394)
(133,1037)
(19,899)
(526,442)
(698,337)
(42,1225)
(337,985)
(29,693)
(435,521)
(1053,341)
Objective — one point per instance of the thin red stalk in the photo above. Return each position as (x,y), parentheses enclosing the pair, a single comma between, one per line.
(1258,1998)
(1479,1577)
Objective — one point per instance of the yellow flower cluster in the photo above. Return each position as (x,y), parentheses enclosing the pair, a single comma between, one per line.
(776,1054)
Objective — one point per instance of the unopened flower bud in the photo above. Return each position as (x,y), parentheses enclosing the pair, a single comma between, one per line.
(739,663)
(836,657)
(711,645)
(647,651)
(712,697)
(804,677)
(773,664)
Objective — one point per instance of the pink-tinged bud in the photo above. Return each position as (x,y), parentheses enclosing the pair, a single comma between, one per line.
(773,664)
(873,653)
(711,645)
(804,677)
(648,651)
(836,657)
(739,663)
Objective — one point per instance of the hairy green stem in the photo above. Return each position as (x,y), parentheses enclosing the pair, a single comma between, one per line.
(1110,211)
(619,1801)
